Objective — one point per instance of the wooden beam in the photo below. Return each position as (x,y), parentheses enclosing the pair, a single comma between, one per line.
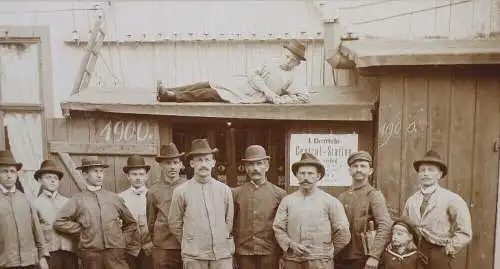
(104,149)
(3,133)
(232,169)
(70,166)
(21,108)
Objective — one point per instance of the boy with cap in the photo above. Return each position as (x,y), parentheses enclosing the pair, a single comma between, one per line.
(47,204)
(101,219)
(256,202)
(402,252)
(310,225)
(166,250)
(22,244)
(135,199)
(201,214)
(272,82)
(363,204)
(442,217)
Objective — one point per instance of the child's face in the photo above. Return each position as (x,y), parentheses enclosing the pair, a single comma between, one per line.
(400,235)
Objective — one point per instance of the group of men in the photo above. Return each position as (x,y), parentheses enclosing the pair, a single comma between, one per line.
(202,223)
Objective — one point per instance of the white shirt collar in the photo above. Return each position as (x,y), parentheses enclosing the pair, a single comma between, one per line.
(93,188)
(51,195)
(429,190)
(5,190)
(139,191)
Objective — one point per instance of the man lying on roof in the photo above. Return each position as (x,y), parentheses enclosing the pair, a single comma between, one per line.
(271,83)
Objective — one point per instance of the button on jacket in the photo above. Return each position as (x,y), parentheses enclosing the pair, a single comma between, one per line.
(101,218)
(158,199)
(201,218)
(46,206)
(317,220)
(362,204)
(21,238)
(255,209)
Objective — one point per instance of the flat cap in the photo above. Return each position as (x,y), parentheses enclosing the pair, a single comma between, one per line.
(359,156)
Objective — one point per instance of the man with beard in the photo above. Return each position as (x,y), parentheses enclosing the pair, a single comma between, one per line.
(137,171)
(310,225)
(256,202)
(201,214)
(167,249)
(442,217)
(363,204)
(100,219)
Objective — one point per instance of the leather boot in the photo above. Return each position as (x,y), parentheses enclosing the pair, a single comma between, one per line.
(166,95)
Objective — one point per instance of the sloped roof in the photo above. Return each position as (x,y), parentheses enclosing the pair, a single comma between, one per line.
(326,104)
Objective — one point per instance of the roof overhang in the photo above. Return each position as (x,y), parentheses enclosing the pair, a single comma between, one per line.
(327,104)
(373,52)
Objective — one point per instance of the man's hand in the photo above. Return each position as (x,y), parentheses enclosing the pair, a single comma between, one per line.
(43,263)
(371,263)
(450,251)
(148,248)
(299,249)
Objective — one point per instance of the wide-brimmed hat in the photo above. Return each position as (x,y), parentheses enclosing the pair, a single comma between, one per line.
(48,167)
(6,158)
(135,161)
(432,157)
(199,147)
(91,161)
(359,156)
(308,159)
(296,48)
(410,226)
(169,151)
(255,153)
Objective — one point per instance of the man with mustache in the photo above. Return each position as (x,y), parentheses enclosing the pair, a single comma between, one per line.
(100,219)
(201,214)
(442,217)
(137,171)
(310,225)
(256,202)
(166,247)
(363,204)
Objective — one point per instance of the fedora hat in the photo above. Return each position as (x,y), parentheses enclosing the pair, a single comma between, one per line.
(91,161)
(6,158)
(200,146)
(410,226)
(308,159)
(432,157)
(296,48)
(48,166)
(255,153)
(359,156)
(169,151)
(135,161)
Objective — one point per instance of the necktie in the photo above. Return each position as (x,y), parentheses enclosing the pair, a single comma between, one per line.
(424,204)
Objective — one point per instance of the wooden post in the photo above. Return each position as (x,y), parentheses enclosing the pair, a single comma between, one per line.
(272,151)
(232,170)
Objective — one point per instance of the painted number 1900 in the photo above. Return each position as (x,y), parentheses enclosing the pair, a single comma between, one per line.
(126,130)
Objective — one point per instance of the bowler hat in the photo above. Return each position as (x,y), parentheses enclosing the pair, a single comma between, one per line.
(199,147)
(359,156)
(169,151)
(308,159)
(432,157)
(6,158)
(410,226)
(255,153)
(48,166)
(135,161)
(91,161)
(296,48)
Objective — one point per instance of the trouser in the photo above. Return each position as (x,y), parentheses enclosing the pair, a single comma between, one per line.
(350,264)
(204,264)
(61,259)
(311,264)
(257,261)
(110,258)
(167,258)
(142,261)
(198,92)
(436,256)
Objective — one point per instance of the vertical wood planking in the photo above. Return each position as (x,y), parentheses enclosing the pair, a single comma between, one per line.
(413,131)
(390,141)
(484,184)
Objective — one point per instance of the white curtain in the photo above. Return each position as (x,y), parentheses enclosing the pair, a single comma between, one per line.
(26,144)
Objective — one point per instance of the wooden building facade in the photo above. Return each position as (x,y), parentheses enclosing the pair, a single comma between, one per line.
(408,97)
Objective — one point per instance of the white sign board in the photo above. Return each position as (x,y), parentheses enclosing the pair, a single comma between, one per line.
(331,149)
